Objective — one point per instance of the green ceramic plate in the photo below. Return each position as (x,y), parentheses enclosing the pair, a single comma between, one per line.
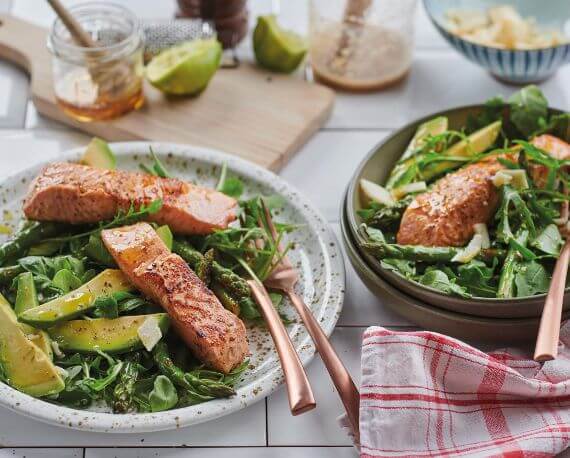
(376,167)
(428,316)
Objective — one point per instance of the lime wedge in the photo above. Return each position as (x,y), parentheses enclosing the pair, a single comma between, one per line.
(275,48)
(185,69)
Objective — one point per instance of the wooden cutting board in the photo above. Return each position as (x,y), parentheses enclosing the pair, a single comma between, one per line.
(260,116)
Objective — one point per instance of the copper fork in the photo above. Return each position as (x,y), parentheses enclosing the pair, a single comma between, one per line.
(283,278)
(298,388)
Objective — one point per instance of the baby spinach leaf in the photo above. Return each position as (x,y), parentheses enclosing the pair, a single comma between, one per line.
(96,250)
(106,307)
(402,266)
(531,278)
(438,279)
(557,125)
(549,240)
(163,395)
(66,280)
(529,109)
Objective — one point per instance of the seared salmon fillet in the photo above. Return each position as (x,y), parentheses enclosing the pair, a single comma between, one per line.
(557,148)
(445,215)
(216,336)
(76,194)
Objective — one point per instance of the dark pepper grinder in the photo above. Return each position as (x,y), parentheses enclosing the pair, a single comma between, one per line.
(229,17)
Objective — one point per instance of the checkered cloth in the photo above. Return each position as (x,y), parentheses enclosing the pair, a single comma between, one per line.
(424,394)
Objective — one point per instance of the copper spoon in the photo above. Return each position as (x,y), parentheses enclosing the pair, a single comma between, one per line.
(299,390)
(549,331)
(284,277)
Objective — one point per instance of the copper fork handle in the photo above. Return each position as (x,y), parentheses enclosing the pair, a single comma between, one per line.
(342,380)
(299,390)
(549,330)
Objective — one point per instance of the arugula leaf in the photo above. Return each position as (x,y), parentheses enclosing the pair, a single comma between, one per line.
(157,168)
(163,395)
(492,111)
(477,278)
(439,280)
(373,234)
(531,278)
(529,109)
(511,196)
(122,218)
(549,241)
(229,185)
(557,125)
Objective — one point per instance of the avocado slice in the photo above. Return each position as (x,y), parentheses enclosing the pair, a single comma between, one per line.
(165,234)
(77,302)
(26,298)
(118,335)
(474,144)
(99,155)
(25,366)
(434,126)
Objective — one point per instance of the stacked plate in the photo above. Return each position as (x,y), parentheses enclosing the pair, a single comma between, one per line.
(504,320)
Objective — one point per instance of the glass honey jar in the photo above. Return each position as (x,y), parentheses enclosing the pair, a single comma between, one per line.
(104,81)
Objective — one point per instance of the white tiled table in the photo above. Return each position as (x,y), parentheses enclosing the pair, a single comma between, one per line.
(439,78)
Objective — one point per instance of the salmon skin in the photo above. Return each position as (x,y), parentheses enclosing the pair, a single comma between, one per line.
(215,335)
(78,194)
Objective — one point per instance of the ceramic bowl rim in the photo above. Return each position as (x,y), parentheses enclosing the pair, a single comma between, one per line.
(268,382)
(351,216)
(441,28)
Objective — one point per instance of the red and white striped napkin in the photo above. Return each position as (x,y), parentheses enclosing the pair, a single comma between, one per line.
(424,394)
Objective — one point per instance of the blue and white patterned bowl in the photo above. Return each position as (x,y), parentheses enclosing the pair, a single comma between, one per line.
(512,66)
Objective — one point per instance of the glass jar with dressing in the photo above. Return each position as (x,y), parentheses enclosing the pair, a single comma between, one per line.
(104,81)
(361,45)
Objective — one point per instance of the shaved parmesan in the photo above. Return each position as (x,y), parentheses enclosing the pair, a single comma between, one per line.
(409,188)
(56,350)
(376,193)
(470,251)
(149,332)
(481,229)
(501,179)
(519,178)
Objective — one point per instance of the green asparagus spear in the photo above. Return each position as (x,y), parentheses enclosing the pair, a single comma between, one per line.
(31,234)
(125,387)
(506,288)
(236,285)
(226,299)
(200,387)
(204,268)
(423,253)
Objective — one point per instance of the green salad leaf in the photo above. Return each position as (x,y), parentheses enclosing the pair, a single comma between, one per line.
(549,240)
(163,395)
(439,280)
(529,110)
(531,278)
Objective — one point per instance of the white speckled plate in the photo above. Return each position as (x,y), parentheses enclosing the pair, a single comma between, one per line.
(317,254)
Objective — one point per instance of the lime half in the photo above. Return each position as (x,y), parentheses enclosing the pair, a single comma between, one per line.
(185,69)
(275,48)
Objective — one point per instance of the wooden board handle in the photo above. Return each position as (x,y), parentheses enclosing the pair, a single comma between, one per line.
(25,44)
